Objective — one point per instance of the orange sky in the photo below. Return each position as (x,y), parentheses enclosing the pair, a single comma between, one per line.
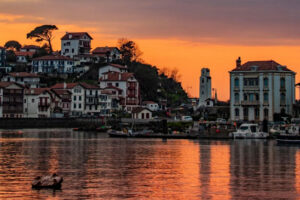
(189,57)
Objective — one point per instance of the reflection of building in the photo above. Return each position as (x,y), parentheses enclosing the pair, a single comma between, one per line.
(205,88)
(258,89)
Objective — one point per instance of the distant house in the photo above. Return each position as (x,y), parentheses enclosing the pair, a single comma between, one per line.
(110,53)
(24,57)
(75,43)
(151,105)
(53,64)
(37,102)
(29,48)
(11,100)
(142,113)
(28,79)
(61,102)
(112,68)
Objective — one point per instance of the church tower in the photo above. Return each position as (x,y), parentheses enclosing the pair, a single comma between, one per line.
(205,87)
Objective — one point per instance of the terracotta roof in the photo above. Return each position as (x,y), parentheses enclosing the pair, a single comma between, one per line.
(60,92)
(72,85)
(53,57)
(23,74)
(26,53)
(116,66)
(103,50)
(112,87)
(6,84)
(115,76)
(36,91)
(269,65)
(139,109)
(30,47)
(75,36)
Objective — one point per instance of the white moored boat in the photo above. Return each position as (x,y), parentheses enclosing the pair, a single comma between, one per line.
(249,131)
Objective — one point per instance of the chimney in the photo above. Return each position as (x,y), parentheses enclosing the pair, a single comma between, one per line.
(238,62)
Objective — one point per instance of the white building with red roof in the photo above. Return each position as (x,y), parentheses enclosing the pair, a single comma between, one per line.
(129,93)
(112,68)
(37,103)
(259,89)
(29,48)
(28,79)
(75,43)
(104,53)
(24,57)
(53,64)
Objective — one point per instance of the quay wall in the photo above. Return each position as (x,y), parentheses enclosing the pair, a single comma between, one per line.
(13,123)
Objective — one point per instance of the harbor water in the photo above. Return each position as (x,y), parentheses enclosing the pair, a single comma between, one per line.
(95,166)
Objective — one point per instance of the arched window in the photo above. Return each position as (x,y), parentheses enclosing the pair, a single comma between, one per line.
(266,82)
(237,112)
(236,82)
(282,83)
(236,97)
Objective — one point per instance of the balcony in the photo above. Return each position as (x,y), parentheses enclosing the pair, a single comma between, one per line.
(44,104)
(251,88)
(250,103)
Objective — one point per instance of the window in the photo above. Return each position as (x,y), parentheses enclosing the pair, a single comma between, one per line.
(257,97)
(72,50)
(79,105)
(74,98)
(236,82)
(117,84)
(32,100)
(266,97)
(79,98)
(236,97)
(266,82)
(256,112)
(74,105)
(24,100)
(266,112)
(282,83)
(245,97)
(91,92)
(237,112)
(245,112)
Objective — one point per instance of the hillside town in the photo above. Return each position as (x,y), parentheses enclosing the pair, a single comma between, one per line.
(78,81)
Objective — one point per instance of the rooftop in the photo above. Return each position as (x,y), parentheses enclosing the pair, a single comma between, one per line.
(268,65)
(30,47)
(116,76)
(75,36)
(72,85)
(53,57)
(26,53)
(103,50)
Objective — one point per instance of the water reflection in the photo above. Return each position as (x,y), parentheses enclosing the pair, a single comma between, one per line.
(97,167)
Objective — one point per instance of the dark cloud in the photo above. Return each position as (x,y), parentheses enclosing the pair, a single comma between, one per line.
(258,22)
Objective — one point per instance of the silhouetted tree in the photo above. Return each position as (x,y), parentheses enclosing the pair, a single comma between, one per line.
(13,45)
(43,33)
(11,56)
(129,50)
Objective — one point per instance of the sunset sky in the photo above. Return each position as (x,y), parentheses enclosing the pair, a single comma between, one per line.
(183,34)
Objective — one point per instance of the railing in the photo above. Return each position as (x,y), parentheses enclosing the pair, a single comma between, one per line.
(44,104)
(250,103)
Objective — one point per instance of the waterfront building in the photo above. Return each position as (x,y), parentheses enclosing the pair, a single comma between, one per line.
(205,89)
(37,103)
(76,43)
(29,48)
(61,102)
(141,113)
(11,100)
(259,89)
(128,87)
(27,79)
(107,54)
(53,64)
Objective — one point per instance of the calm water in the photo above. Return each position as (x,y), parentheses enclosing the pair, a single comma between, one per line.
(97,167)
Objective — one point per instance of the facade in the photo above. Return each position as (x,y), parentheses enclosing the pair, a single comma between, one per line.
(37,103)
(142,113)
(11,98)
(61,102)
(30,48)
(28,79)
(74,44)
(151,105)
(112,68)
(205,87)
(53,64)
(24,57)
(259,89)
(129,93)
(2,57)
(107,54)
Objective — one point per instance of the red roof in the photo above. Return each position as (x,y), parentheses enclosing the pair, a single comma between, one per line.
(30,47)
(75,36)
(103,50)
(72,85)
(116,76)
(26,53)
(53,57)
(269,65)
(23,74)
(36,91)
(6,84)
(113,87)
